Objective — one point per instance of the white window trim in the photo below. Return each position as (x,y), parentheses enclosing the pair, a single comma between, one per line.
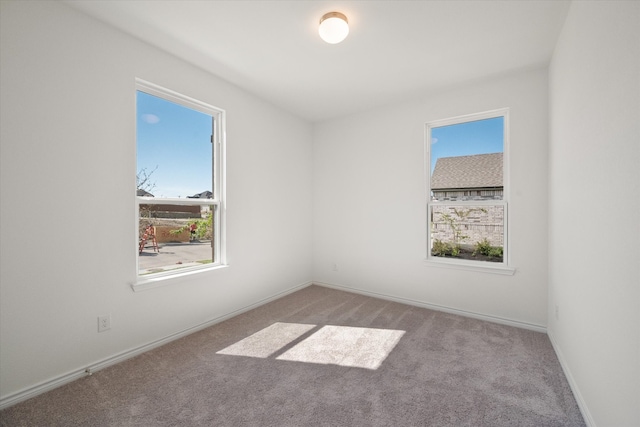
(219,191)
(459,264)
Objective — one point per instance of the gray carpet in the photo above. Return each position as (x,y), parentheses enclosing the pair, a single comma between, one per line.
(322,357)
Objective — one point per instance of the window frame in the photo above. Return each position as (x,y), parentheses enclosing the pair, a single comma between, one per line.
(505,266)
(217,203)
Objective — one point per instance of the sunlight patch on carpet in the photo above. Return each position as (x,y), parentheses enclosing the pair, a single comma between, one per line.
(345,346)
(330,345)
(267,341)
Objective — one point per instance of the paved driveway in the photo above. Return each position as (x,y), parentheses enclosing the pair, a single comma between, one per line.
(173,255)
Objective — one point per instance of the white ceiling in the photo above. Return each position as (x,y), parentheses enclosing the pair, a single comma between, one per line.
(395,49)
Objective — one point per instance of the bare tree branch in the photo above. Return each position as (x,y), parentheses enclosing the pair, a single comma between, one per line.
(143,180)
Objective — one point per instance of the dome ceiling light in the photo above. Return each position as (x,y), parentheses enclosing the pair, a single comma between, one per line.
(333,27)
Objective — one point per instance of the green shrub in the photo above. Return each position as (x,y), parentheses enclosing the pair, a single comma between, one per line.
(495,252)
(442,249)
(484,247)
(204,227)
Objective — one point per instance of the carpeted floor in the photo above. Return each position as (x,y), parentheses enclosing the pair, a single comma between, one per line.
(322,357)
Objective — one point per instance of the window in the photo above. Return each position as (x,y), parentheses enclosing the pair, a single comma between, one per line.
(467,192)
(179,184)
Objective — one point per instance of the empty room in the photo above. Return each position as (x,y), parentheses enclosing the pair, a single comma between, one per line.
(292,213)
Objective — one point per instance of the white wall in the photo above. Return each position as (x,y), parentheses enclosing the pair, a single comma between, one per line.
(594,184)
(369,202)
(68,174)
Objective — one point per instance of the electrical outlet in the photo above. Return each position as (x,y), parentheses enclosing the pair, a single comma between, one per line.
(104,323)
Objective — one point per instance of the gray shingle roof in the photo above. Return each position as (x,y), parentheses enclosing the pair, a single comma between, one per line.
(143,193)
(476,171)
(204,195)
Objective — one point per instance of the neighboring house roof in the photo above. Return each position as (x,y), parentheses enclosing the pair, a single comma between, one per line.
(203,195)
(142,193)
(477,171)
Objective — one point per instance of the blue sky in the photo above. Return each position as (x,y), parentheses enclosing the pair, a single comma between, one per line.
(177,140)
(477,137)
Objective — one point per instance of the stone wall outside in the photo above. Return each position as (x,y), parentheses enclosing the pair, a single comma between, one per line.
(477,225)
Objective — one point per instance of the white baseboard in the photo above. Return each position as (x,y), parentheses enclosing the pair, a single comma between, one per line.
(494,319)
(61,380)
(588,419)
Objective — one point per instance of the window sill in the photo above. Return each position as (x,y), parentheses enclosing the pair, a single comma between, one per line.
(144,283)
(477,266)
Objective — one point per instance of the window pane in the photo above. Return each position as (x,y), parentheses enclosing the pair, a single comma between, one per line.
(175,236)
(467,232)
(174,149)
(467,160)
(174,160)
(466,165)
(468,138)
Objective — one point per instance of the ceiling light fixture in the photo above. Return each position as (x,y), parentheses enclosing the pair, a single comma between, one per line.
(333,27)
